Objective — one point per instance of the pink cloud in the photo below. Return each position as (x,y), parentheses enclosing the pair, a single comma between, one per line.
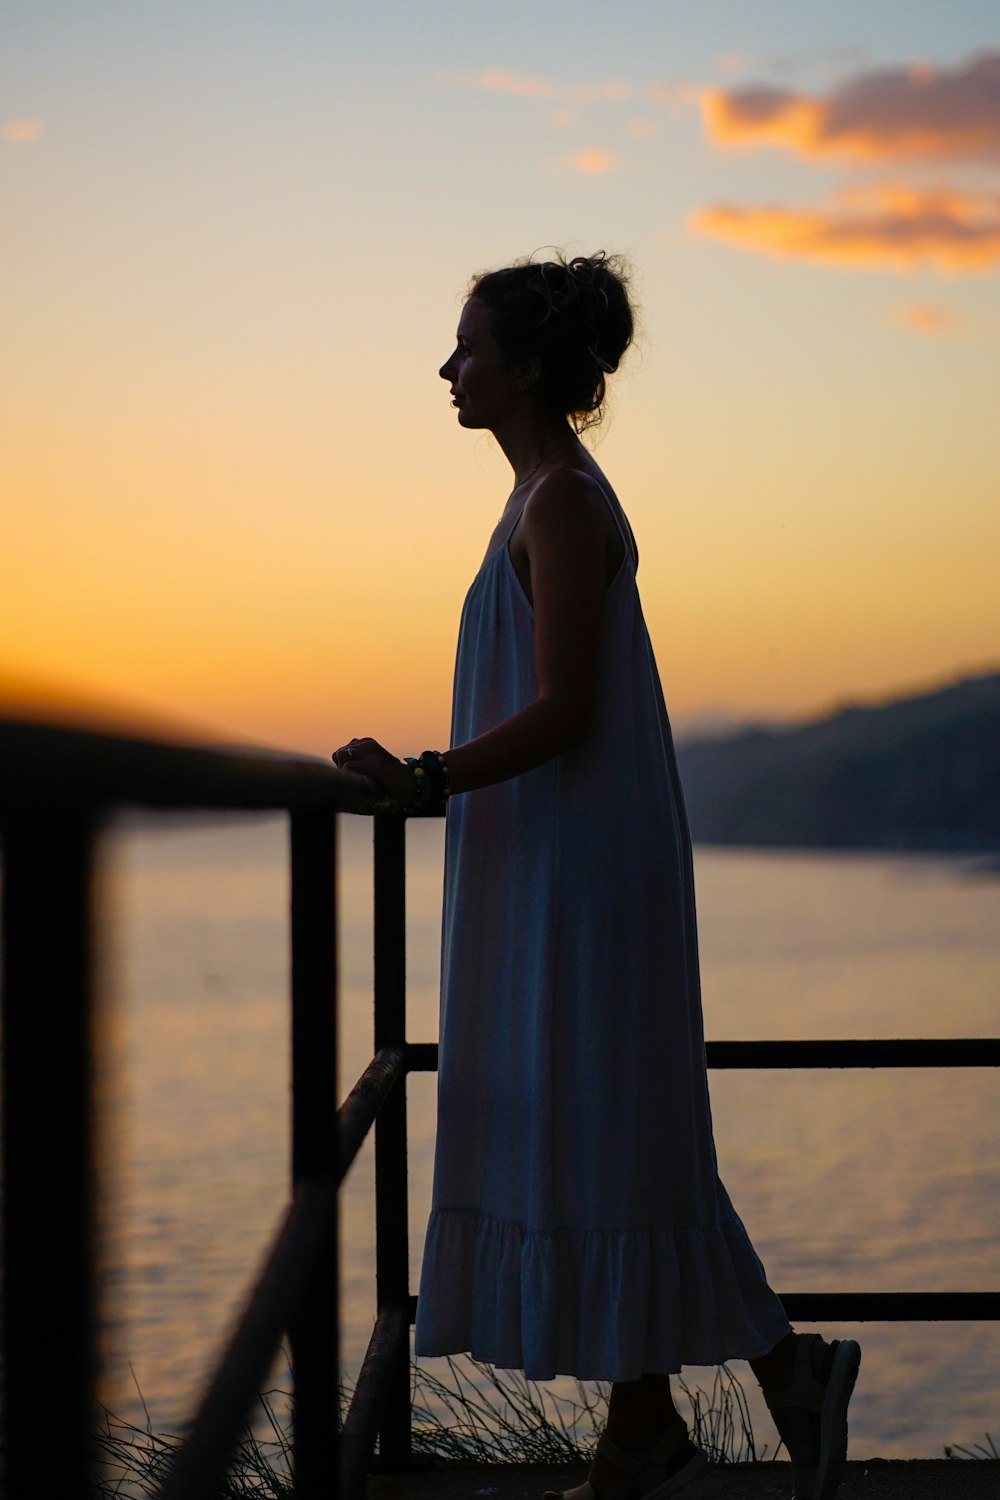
(525,85)
(534,86)
(930,319)
(21,132)
(594,163)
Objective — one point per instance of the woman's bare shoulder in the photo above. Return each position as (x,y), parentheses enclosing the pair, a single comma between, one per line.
(567,494)
(571,497)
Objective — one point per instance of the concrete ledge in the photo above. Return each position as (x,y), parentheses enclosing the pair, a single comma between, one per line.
(872,1479)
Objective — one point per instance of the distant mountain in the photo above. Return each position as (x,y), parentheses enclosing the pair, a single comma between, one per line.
(714,724)
(915,773)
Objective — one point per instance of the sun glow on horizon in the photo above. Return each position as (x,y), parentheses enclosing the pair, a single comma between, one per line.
(234,494)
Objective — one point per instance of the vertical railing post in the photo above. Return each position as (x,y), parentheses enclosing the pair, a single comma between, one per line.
(392,1239)
(49,1153)
(314,1332)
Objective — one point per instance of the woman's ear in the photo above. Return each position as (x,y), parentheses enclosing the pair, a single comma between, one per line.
(528,373)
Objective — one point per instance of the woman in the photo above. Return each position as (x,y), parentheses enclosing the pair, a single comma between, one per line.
(579,1226)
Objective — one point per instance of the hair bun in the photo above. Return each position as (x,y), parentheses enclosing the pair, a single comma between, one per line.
(574,316)
(593,276)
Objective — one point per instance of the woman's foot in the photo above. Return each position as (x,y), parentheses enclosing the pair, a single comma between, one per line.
(807,1384)
(660,1469)
(798,1427)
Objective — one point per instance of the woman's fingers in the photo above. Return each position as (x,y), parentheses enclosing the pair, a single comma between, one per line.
(368,758)
(356,751)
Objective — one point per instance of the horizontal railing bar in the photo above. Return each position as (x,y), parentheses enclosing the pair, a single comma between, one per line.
(356,1115)
(107,769)
(421,1057)
(303,1238)
(390,1334)
(950,1052)
(892,1307)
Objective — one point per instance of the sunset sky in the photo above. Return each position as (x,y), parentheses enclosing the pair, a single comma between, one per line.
(236,235)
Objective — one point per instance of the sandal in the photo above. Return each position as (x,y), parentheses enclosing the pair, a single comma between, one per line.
(829,1400)
(662,1470)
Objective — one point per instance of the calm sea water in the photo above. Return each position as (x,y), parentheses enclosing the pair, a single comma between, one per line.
(845,1180)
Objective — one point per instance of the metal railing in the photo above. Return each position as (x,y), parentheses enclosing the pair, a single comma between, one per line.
(57,787)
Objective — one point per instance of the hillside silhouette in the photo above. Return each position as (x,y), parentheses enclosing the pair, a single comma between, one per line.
(915,773)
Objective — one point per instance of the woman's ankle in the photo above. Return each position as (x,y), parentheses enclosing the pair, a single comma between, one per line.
(640,1410)
(774,1369)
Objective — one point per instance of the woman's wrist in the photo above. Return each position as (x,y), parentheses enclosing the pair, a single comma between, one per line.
(400,785)
(431,784)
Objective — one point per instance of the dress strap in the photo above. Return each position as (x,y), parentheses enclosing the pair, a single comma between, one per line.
(620,520)
(617,516)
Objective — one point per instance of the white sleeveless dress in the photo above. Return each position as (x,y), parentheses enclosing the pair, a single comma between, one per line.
(578,1224)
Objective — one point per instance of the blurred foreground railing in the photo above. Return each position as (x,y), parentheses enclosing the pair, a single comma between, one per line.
(57,789)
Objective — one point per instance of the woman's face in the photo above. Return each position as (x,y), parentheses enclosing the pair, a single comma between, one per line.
(485,387)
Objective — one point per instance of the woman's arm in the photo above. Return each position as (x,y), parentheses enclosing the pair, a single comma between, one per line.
(563,534)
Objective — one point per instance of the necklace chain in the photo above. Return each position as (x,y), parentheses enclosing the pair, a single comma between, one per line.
(530,475)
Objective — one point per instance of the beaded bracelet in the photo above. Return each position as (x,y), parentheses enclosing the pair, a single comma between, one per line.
(430,780)
(436,768)
(421,785)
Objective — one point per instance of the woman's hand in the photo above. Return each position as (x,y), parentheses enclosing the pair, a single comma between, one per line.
(368,758)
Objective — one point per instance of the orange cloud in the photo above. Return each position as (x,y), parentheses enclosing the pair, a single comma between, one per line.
(917,111)
(927,318)
(21,131)
(595,163)
(905,229)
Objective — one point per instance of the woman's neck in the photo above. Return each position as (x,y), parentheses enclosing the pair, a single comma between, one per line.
(527,445)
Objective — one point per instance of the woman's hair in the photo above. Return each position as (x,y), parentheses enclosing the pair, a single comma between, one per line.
(573,316)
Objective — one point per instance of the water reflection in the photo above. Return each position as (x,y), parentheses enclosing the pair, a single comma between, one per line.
(857,1179)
